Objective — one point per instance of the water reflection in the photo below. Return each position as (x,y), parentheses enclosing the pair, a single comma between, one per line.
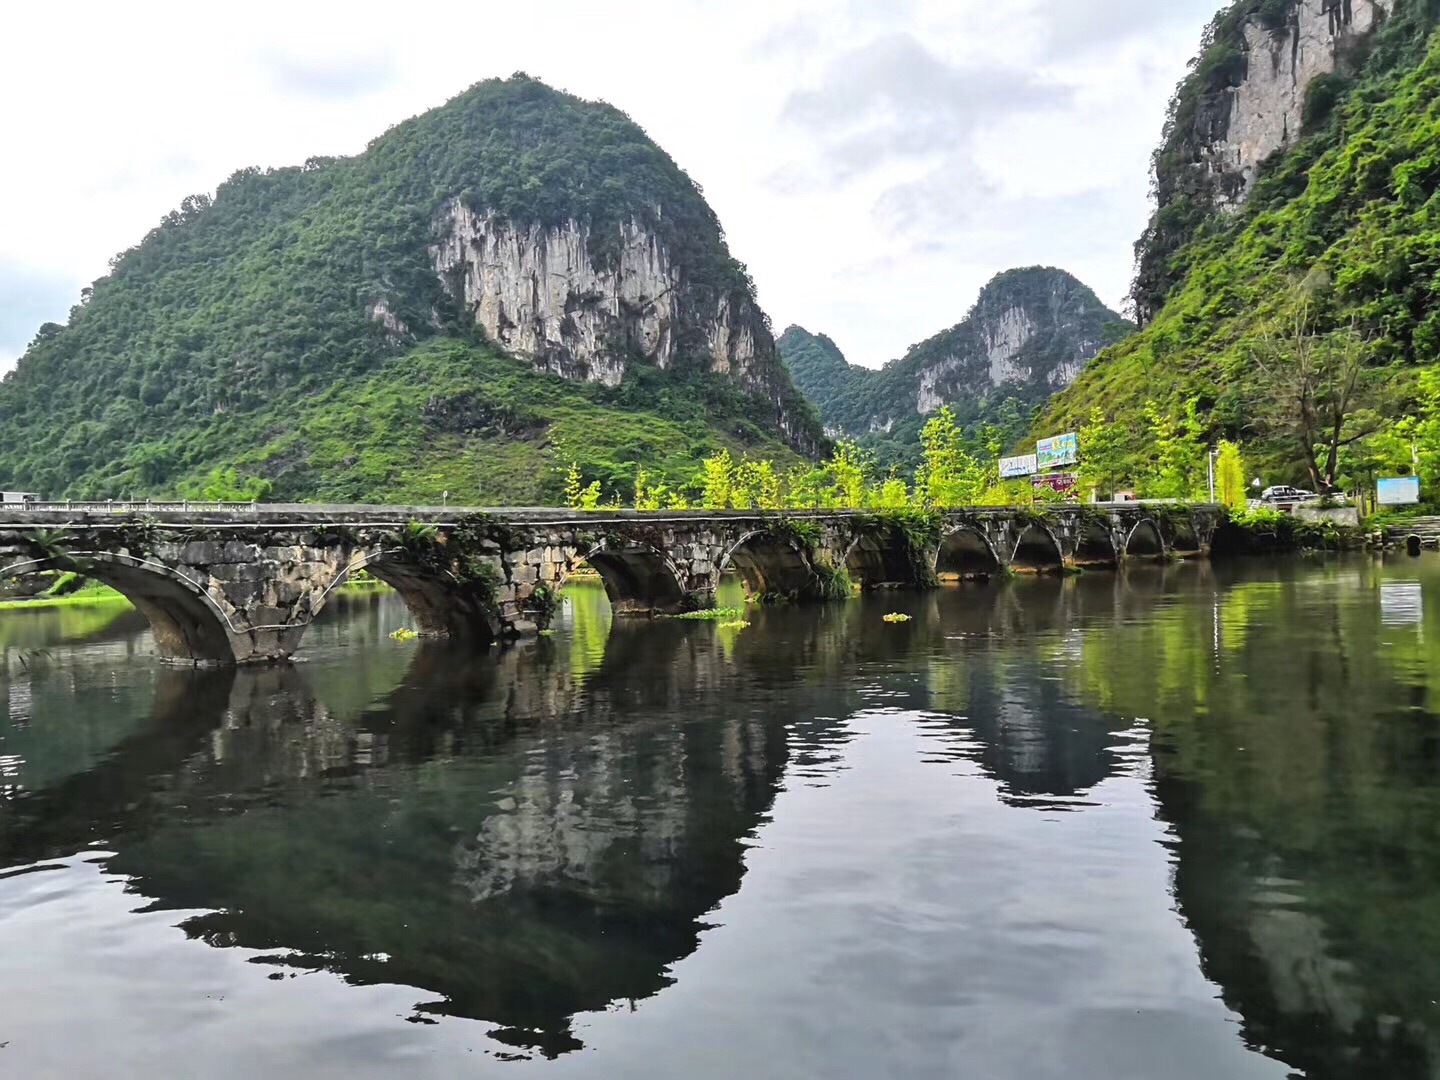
(534,835)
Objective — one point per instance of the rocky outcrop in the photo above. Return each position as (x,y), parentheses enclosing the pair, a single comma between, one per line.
(586,307)
(1028,335)
(1266,110)
(1248,96)
(1034,332)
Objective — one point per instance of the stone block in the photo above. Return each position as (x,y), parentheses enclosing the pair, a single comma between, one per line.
(284,594)
(201,552)
(239,572)
(236,551)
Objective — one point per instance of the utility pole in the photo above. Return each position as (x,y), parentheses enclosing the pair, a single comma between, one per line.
(1210,461)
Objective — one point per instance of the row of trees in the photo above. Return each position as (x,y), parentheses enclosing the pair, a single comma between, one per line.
(956,469)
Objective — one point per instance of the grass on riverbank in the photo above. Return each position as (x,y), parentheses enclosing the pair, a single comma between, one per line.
(709,614)
(93,593)
(100,594)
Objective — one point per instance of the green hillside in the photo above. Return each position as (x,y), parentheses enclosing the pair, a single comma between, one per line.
(293,326)
(1028,333)
(1307,324)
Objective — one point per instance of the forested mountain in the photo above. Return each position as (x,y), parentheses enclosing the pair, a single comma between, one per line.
(492,289)
(1290,277)
(1029,333)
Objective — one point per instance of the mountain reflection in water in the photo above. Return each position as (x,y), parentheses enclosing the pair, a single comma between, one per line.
(1011,794)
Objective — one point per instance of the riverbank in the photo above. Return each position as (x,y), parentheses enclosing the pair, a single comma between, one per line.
(102,594)
(95,594)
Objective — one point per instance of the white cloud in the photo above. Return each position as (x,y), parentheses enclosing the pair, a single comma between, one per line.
(873,162)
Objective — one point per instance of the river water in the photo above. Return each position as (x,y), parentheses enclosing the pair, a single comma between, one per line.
(1183,822)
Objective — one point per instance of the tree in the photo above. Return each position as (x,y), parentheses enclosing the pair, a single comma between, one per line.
(1102,453)
(648,496)
(226,485)
(717,472)
(1426,430)
(1320,389)
(893,495)
(850,466)
(949,475)
(755,486)
(1229,474)
(577,496)
(1177,452)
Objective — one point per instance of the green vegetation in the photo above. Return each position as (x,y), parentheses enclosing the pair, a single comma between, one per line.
(719,614)
(65,584)
(1229,475)
(879,407)
(952,471)
(236,351)
(89,595)
(1263,530)
(1304,327)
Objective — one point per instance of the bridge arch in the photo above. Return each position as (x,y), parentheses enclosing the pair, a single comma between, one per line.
(883,555)
(966,553)
(1144,541)
(187,622)
(1037,551)
(1185,538)
(639,580)
(770,564)
(1095,546)
(441,604)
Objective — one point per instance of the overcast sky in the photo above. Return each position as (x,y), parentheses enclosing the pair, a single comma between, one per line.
(875,162)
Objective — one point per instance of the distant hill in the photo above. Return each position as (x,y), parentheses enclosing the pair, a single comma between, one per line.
(492,289)
(1029,334)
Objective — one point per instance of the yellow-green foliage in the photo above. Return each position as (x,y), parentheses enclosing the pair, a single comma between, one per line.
(580,496)
(1229,474)
(949,474)
(953,472)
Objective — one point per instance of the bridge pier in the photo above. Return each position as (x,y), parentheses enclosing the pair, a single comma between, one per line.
(242,586)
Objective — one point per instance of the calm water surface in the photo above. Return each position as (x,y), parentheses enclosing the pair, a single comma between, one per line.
(1182,823)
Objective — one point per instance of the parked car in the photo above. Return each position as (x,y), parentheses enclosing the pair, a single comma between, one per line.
(1286,493)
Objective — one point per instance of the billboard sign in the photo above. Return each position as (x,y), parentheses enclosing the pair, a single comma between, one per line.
(1061,450)
(1011,467)
(1062,483)
(1398,491)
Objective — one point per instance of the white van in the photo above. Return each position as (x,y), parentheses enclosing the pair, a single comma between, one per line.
(18,498)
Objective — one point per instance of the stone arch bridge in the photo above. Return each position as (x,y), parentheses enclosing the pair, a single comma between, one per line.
(240,583)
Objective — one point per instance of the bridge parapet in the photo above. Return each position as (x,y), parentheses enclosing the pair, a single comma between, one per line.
(241,583)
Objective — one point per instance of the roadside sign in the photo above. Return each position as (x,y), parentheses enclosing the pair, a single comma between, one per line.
(1061,450)
(1017,466)
(1061,483)
(1398,491)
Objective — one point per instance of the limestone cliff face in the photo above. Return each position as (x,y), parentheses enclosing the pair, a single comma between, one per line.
(1244,101)
(1266,109)
(1032,332)
(542,294)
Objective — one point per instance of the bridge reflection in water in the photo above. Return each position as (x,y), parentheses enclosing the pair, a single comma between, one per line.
(547,830)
